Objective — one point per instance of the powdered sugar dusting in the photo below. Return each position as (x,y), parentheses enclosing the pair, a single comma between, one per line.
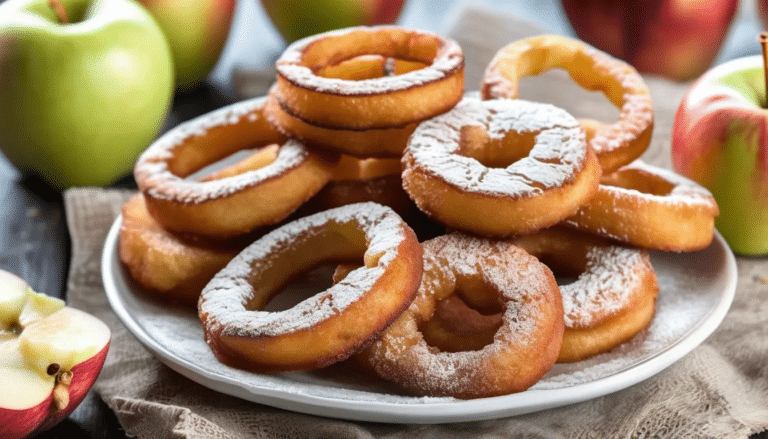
(155,179)
(449,59)
(160,183)
(635,108)
(558,154)
(522,283)
(224,300)
(685,190)
(610,282)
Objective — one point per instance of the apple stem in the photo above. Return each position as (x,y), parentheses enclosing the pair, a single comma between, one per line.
(65,377)
(61,390)
(59,9)
(763,38)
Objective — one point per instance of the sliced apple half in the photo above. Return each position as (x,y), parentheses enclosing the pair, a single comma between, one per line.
(50,356)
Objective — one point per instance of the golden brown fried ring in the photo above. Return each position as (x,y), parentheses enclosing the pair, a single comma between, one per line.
(329,326)
(500,167)
(615,144)
(650,207)
(173,266)
(523,349)
(375,103)
(235,204)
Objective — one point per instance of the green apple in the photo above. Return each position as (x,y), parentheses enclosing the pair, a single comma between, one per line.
(296,19)
(80,100)
(50,356)
(196,31)
(720,140)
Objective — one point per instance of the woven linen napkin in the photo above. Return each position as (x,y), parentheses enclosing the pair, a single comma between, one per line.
(719,390)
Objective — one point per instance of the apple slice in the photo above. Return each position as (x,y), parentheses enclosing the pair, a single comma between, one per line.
(13,297)
(50,356)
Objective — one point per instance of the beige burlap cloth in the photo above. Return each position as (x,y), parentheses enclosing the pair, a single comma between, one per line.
(719,390)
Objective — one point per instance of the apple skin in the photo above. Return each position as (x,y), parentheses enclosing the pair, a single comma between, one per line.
(296,19)
(42,417)
(677,39)
(196,31)
(720,140)
(762,12)
(85,375)
(80,101)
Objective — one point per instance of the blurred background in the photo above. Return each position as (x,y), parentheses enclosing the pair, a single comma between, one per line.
(254,43)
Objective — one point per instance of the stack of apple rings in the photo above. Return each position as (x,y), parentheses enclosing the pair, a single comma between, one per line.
(420,76)
(361,92)
(366,136)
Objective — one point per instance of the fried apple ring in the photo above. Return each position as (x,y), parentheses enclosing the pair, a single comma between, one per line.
(615,144)
(523,349)
(237,203)
(612,299)
(375,103)
(173,266)
(458,164)
(374,142)
(383,142)
(329,326)
(650,207)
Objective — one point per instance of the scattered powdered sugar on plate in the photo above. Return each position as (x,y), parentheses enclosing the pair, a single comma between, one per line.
(557,156)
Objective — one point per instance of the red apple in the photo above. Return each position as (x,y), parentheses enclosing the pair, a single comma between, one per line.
(296,19)
(762,12)
(677,39)
(196,31)
(50,356)
(720,140)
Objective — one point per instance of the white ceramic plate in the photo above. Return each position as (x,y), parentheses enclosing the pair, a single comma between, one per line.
(695,293)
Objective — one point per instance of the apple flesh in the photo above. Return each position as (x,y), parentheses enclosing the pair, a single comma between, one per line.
(678,39)
(50,356)
(80,101)
(296,19)
(720,140)
(196,31)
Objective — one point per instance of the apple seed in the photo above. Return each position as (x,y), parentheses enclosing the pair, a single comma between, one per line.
(53,369)
(16,328)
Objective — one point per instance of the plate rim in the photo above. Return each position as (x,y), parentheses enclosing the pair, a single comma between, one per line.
(428,412)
